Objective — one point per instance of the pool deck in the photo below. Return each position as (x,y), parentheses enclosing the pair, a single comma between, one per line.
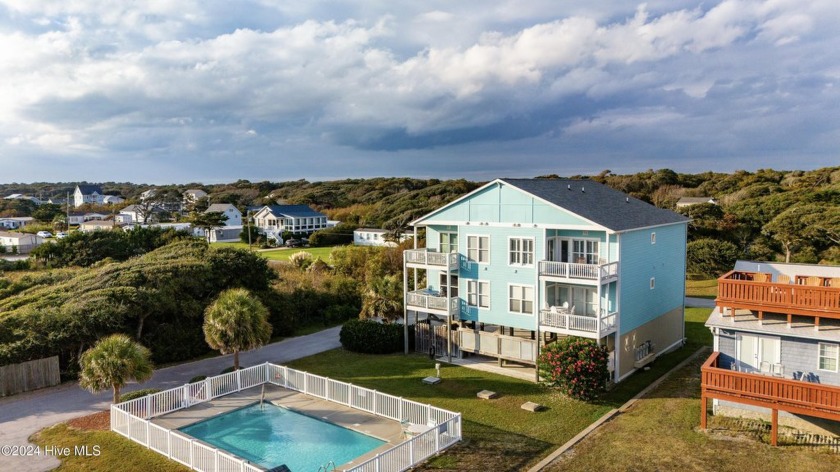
(381,428)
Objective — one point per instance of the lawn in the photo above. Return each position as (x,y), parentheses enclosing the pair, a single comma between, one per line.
(498,434)
(701,288)
(660,433)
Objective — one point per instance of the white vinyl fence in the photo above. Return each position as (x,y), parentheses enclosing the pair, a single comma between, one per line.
(132,419)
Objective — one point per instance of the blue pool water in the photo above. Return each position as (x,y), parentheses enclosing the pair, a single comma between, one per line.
(272,436)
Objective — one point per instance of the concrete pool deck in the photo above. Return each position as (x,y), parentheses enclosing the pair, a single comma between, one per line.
(385,429)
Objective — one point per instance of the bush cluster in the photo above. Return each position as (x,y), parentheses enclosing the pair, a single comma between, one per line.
(370,337)
(577,366)
(138,394)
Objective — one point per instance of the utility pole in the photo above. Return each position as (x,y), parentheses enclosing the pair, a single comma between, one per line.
(248,226)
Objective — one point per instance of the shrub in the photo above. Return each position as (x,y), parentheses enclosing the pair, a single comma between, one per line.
(138,394)
(301,259)
(577,366)
(197,378)
(370,337)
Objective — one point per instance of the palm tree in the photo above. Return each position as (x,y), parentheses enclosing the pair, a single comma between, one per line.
(236,321)
(112,362)
(383,298)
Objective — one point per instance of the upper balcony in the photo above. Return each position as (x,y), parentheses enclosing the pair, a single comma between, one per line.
(430,301)
(430,259)
(755,291)
(578,272)
(564,321)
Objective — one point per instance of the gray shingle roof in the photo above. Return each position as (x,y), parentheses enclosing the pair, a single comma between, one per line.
(89,189)
(598,203)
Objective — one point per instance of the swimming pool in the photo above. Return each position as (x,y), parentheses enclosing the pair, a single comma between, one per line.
(271,436)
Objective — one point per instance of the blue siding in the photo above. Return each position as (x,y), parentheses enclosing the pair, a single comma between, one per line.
(500,204)
(641,261)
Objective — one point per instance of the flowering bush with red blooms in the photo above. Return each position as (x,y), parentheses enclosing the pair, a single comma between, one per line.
(576,365)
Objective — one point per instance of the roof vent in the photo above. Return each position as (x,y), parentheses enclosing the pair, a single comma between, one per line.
(583,189)
(570,186)
(627,199)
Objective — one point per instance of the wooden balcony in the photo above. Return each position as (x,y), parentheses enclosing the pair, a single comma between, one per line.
(600,273)
(744,290)
(794,396)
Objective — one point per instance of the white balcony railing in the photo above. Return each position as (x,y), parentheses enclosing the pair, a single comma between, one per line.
(431,300)
(580,323)
(431,258)
(579,271)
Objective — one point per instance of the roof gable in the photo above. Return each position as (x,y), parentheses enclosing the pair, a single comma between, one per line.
(564,201)
(89,189)
(293,211)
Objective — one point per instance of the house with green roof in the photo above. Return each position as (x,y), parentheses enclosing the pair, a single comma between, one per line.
(518,263)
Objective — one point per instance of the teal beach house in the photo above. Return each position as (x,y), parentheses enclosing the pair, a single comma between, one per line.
(518,263)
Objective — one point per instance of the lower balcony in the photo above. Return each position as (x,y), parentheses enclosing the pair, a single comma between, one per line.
(430,301)
(561,321)
(776,393)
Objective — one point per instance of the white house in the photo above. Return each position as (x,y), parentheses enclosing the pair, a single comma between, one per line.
(374,237)
(91,216)
(137,214)
(15,222)
(193,195)
(21,243)
(87,194)
(112,199)
(274,220)
(234,216)
(75,219)
(20,196)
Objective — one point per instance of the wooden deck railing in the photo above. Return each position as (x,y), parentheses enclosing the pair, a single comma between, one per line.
(795,396)
(738,290)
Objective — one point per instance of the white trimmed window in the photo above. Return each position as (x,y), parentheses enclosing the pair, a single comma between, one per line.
(478,293)
(652,283)
(521,299)
(478,249)
(829,356)
(653,238)
(448,242)
(521,251)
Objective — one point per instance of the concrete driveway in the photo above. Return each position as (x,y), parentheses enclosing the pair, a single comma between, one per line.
(24,414)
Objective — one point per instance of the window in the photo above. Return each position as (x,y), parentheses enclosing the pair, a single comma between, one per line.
(521,299)
(478,249)
(452,287)
(829,354)
(478,293)
(653,238)
(584,251)
(652,283)
(448,242)
(521,251)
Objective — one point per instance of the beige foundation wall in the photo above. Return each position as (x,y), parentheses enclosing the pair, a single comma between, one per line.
(662,332)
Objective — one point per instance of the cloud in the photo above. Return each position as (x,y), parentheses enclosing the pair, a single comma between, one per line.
(192,78)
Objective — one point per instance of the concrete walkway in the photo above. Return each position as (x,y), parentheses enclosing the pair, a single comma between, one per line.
(24,414)
(694,302)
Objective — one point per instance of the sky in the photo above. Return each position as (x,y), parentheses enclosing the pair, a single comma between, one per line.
(219,90)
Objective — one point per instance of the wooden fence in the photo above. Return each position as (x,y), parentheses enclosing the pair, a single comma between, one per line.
(31,375)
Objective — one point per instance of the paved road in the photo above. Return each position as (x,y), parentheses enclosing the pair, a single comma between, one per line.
(22,415)
(699,302)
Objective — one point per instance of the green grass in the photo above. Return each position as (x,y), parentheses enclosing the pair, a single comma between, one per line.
(498,434)
(116,452)
(701,288)
(285,253)
(660,433)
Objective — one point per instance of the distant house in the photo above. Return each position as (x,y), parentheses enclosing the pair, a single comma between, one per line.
(234,216)
(75,219)
(688,201)
(88,194)
(274,220)
(15,222)
(148,194)
(19,196)
(90,216)
(20,243)
(96,225)
(374,237)
(193,195)
(137,214)
(112,199)
(776,338)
